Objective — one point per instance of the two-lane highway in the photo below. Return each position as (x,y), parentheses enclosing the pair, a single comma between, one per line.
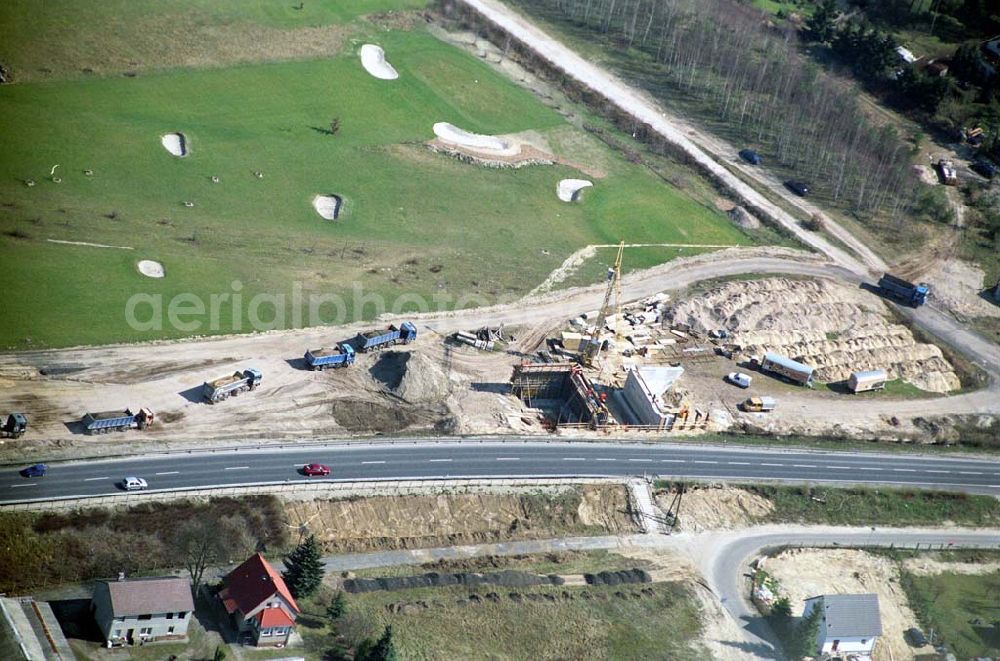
(531,459)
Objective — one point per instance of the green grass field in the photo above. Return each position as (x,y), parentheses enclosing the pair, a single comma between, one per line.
(962,609)
(414,222)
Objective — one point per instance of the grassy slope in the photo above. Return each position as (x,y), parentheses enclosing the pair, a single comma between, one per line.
(401,200)
(948,603)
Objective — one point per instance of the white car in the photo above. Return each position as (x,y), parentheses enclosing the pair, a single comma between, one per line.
(134,484)
(739,379)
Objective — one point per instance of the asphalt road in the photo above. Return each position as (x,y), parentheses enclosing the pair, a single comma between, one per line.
(453,460)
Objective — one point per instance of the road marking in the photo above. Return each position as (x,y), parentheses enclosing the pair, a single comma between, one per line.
(607,459)
(169,473)
(18,486)
(803,465)
(673,461)
(969,473)
(843,468)
(508,459)
(772,464)
(642,460)
(738,463)
(436,461)
(574,459)
(372,462)
(236,468)
(904,470)
(92,479)
(700,461)
(935,471)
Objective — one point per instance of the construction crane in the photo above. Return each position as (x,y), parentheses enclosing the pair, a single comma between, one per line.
(593,348)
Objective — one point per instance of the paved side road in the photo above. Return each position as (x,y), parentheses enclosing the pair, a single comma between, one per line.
(628,99)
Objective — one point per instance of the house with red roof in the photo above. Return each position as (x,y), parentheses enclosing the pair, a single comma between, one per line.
(259,603)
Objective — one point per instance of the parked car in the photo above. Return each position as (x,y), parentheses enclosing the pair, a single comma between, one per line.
(37,470)
(916,637)
(721,333)
(739,379)
(315,469)
(984,168)
(797,187)
(132,483)
(750,156)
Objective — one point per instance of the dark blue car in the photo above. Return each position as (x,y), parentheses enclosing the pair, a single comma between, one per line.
(751,157)
(37,470)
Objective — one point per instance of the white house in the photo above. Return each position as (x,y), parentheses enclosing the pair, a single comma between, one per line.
(849,626)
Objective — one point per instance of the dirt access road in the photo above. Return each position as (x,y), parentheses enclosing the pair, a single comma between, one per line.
(706,150)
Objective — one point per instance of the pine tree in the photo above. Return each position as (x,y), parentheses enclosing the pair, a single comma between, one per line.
(304,569)
(337,607)
(383,649)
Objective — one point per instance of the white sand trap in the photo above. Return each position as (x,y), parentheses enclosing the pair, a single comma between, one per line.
(373,60)
(150,269)
(328,206)
(568,190)
(175,143)
(449,133)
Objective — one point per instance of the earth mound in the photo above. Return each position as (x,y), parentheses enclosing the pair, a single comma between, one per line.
(411,376)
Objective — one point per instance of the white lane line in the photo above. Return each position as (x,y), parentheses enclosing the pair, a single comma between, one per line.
(935,471)
(372,462)
(738,463)
(437,461)
(803,465)
(18,486)
(772,464)
(843,468)
(701,461)
(641,460)
(904,470)
(236,468)
(508,459)
(869,468)
(673,461)
(574,459)
(969,473)
(608,459)
(168,473)
(94,479)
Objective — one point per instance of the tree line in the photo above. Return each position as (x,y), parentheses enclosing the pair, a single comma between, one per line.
(748,72)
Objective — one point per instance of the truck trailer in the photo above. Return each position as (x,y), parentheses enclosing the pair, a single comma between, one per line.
(14,426)
(867,380)
(904,291)
(109,421)
(341,355)
(790,369)
(232,385)
(379,339)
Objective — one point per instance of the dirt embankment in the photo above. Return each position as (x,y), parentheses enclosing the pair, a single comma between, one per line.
(388,522)
(832,327)
(713,508)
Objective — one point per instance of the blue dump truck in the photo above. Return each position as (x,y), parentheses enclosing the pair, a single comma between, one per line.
(340,356)
(379,339)
(109,421)
(15,425)
(231,386)
(903,291)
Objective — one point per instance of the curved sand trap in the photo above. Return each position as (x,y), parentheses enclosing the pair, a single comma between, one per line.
(151,269)
(449,133)
(175,143)
(568,190)
(328,206)
(373,60)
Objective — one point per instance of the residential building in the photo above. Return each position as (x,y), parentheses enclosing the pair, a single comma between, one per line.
(259,603)
(849,625)
(141,610)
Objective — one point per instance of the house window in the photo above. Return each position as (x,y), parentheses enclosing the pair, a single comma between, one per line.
(170,629)
(146,631)
(279,631)
(864,641)
(117,633)
(170,616)
(147,616)
(265,632)
(182,615)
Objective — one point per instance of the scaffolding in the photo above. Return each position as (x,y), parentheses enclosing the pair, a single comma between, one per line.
(564,387)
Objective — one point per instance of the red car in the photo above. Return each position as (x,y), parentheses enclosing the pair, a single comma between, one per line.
(315,469)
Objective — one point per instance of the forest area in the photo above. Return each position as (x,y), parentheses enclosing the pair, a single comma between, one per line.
(752,80)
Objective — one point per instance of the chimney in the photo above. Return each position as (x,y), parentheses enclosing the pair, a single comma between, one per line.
(121,576)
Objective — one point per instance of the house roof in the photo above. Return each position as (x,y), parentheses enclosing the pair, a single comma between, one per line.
(143,596)
(851,615)
(274,617)
(253,583)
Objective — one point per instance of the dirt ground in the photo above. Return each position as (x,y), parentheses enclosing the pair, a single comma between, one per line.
(714,508)
(924,566)
(388,522)
(805,573)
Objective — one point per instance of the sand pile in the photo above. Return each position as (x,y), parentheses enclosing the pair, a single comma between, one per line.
(151,269)
(328,206)
(488,144)
(412,376)
(373,60)
(175,143)
(568,190)
(712,508)
(834,328)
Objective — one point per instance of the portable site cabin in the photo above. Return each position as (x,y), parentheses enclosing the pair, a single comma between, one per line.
(788,368)
(868,380)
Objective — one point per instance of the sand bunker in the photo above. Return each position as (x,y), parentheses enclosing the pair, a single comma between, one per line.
(568,190)
(175,143)
(450,134)
(150,269)
(328,206)
(373,60)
